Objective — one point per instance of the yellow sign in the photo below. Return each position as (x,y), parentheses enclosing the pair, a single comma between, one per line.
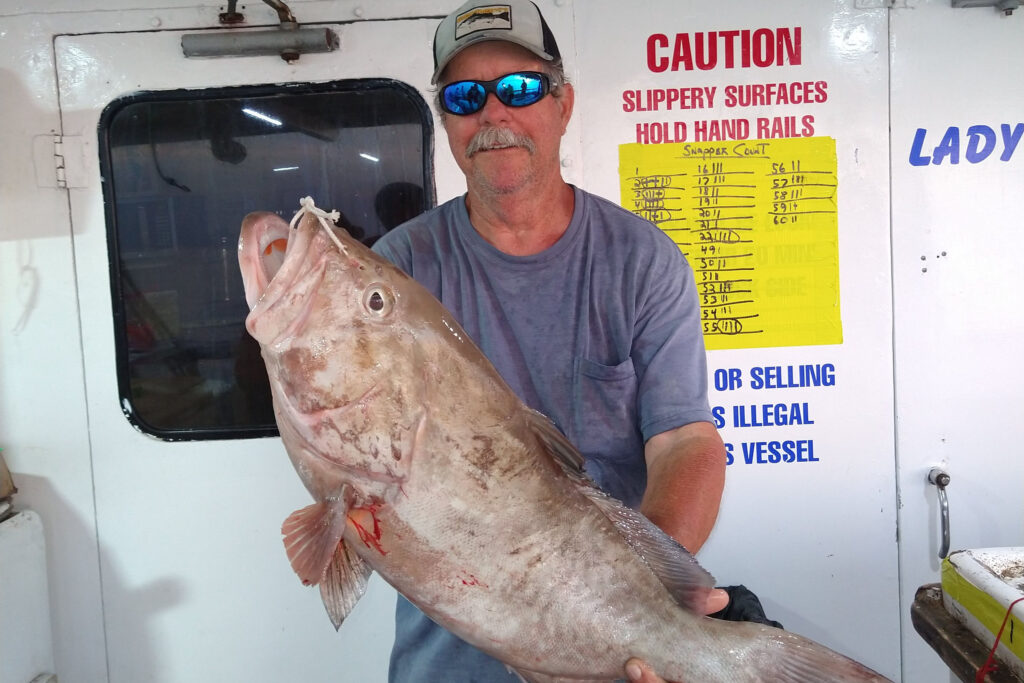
(757,220)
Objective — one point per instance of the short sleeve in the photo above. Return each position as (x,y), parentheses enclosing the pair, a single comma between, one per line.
(668,346)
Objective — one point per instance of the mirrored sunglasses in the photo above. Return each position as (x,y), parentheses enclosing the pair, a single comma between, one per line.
(520,89)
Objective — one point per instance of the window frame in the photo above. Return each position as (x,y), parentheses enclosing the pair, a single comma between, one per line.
(113,234)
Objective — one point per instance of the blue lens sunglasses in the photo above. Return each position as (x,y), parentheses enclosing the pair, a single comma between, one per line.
(520,89)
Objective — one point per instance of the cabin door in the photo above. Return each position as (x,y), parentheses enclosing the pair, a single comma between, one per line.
(164,156)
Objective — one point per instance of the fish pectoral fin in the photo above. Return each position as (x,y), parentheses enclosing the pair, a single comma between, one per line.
(343,583)
(311,537)
(678,570)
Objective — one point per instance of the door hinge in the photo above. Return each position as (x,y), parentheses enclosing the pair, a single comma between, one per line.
(69,160)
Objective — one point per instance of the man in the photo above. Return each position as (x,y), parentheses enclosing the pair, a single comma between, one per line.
(589,313)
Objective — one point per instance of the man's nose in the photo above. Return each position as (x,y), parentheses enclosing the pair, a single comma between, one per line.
(494,110)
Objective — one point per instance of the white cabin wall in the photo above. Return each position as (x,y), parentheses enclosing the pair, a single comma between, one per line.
(958,290)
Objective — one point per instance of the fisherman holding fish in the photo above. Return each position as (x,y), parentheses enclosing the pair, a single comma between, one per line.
(589,312)
(414,409)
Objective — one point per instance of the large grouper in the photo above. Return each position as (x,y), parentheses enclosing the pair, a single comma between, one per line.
(426,468)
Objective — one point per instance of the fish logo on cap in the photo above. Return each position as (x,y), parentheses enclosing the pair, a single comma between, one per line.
(488,18)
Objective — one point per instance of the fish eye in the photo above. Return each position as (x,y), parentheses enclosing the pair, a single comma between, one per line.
(378,300)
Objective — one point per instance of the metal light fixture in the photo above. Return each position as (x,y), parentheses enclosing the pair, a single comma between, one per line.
(1004,6)
(288,42)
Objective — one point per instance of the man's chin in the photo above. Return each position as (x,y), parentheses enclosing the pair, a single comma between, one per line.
(500,183)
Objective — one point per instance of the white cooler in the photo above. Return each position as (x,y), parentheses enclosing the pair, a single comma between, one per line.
(978,587)
(26,646)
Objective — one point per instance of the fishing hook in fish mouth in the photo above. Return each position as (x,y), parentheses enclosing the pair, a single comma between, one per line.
(308,206)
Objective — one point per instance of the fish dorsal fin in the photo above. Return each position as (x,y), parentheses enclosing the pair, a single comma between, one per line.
(678,570)
(560,448)
(343,583)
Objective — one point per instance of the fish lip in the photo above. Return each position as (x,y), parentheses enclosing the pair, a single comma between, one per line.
(298,322)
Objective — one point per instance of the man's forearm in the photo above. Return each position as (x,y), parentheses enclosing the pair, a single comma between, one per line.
(685,478)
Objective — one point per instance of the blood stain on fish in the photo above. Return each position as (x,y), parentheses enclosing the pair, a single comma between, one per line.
(363,517)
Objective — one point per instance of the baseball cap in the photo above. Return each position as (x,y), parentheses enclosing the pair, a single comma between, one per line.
(514,21)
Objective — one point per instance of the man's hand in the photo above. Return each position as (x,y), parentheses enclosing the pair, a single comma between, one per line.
(639,671)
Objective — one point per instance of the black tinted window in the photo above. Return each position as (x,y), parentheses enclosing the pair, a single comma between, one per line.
(181,170)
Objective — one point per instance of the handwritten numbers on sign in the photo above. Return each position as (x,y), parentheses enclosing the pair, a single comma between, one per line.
(758,222)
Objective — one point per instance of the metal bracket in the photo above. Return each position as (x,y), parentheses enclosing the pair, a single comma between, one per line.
(232,16)
(1004,6)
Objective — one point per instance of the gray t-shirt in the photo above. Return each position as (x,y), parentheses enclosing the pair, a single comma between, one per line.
(601,332)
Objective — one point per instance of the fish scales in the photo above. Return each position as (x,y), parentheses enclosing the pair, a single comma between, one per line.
(426,468)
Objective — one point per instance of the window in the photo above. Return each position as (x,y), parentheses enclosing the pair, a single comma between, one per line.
(181,170)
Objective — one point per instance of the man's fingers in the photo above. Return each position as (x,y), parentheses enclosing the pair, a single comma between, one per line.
(717,601)
(639,671)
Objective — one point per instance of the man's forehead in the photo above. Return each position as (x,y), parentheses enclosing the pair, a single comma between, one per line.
(490,59)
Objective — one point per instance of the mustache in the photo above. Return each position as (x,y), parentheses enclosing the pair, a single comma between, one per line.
(498,138)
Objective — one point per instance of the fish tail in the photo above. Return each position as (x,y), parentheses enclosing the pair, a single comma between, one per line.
(749,653)
(786,657)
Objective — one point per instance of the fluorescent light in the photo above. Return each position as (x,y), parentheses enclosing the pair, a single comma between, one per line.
(367,156)
(287,168)
(261,116)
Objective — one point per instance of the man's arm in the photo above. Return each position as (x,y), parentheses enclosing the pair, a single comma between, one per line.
(685,478)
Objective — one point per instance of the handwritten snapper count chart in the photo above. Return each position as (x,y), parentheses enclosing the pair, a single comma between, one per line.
(757,220)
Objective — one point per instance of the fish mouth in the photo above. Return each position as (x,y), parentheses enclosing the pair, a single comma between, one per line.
(281,266)
(266,244)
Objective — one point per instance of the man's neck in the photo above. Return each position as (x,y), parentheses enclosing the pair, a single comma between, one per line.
(524,222)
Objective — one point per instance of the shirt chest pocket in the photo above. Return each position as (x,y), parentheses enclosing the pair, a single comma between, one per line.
(607,426)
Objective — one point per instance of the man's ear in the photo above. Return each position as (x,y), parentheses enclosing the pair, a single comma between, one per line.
(566,101)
